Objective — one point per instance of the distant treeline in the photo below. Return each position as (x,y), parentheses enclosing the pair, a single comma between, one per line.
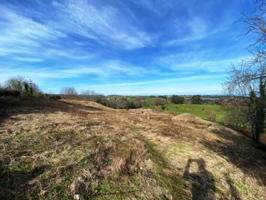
(17,91)
(133,102)
(22,88)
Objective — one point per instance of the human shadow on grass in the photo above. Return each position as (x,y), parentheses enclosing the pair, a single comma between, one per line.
(203,183)
(15,184)
(233,190)
(238,150)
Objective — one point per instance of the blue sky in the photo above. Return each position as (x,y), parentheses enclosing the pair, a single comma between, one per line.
(123,46)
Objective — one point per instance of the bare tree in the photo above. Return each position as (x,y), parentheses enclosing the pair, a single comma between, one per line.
(249,78)
(23,86)
(256,23)
(16,84)
(69,91)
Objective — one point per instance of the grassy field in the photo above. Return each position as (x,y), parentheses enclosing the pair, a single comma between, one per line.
(210,112)
(77,149)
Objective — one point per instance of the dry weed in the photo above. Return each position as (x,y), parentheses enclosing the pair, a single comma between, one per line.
(81,150)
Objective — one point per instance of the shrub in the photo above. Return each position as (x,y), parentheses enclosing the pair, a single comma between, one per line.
(211,114)
(11,93)
(159,102)
(100,99)
(237,117)
(22,87)
(162,97)
(54,97)
(16,84)
(117,102)
(177,99)
(196,99)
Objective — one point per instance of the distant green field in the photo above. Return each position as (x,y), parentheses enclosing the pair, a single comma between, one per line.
(210,112)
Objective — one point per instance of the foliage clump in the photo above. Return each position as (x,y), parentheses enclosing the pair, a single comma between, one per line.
(20,87)
(177,99)
(196,99)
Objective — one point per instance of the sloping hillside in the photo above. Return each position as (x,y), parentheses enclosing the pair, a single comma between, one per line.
(83,150)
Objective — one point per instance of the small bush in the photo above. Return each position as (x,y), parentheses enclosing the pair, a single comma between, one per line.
(117,102)
(54,97)
(160,102)
(237,117)
(196,99)
(177,99)
(211,115)
(21,87)
(162,97)
(9,93)
(100,99)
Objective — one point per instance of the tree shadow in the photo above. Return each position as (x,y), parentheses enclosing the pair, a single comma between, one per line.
(15,184)
(239,150)
(233,191)
(203,183)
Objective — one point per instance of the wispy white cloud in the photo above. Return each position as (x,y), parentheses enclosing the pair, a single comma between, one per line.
(197,26)
(197,29)
(28,59)
(193,37)
(19,31)
(103,70)
(185,85)
(197,61)
(113,41)
(162,81)
(150,5)
(104,24)
(178,85)
(24,39)
(50,37)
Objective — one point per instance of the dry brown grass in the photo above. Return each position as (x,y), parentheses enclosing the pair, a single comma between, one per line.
(82,150)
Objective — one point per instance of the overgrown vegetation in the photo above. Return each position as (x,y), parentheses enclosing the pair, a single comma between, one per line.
(196,99)
(77,149)
(20,87)
(249,78)
(177,99)
(211,112)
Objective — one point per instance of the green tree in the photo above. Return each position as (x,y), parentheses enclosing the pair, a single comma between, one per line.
(177,99)
(196,99)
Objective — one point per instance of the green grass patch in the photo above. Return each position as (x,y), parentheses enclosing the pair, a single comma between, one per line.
(210,112)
